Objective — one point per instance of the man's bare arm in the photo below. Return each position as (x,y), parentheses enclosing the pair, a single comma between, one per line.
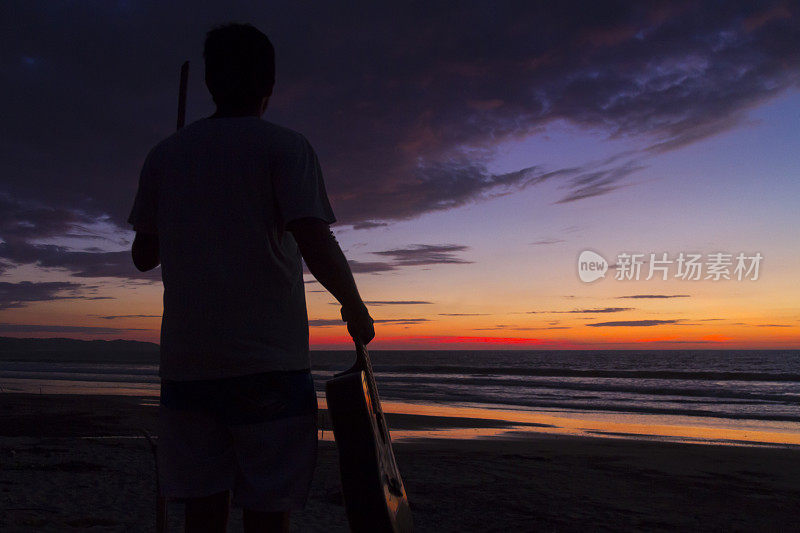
(327,263)
(145,251)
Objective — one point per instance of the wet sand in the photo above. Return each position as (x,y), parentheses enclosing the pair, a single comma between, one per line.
(54,479)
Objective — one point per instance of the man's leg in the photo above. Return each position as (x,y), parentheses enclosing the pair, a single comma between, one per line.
(208,514)
(258,522)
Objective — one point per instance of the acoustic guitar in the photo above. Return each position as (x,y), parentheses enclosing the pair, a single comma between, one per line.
(374,496)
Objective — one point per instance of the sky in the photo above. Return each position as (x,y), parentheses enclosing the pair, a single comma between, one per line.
(471,153)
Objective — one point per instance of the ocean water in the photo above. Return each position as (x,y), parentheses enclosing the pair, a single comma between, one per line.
(741,385)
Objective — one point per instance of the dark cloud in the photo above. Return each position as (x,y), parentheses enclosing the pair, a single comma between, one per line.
(678,341)
(396,302)
(519,328)
(24,220)
(325,322)
(632,323)
(413,255)
(362,267)
(426,254)
(402,126)
(60,328)
(654,296)
(391,302)
(459,181)
(357,267)
(114,317)
(401,321)
(670,72)
(545,242)
(78,263)
(595,182)
(583,311)
(21,294)
(23,223)
(368,224)
(602,310)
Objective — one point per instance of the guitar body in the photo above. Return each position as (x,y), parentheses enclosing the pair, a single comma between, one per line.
(374,495)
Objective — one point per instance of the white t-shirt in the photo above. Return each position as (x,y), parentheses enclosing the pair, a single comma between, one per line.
(219,194)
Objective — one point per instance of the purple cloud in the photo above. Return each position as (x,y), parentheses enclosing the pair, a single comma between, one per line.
(23,293)
(403,127)
(632,323)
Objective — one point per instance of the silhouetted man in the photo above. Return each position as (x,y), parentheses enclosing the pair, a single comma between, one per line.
(227,205)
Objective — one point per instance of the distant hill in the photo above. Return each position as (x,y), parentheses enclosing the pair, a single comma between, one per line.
(74,350)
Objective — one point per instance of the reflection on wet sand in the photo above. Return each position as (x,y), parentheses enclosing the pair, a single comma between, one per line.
(514,424)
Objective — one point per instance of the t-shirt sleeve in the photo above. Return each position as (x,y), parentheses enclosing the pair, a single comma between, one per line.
(298,184)
(144,214)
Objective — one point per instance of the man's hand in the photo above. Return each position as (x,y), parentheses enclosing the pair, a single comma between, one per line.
(359,324)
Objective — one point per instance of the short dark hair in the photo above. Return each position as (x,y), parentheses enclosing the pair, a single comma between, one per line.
(240,64)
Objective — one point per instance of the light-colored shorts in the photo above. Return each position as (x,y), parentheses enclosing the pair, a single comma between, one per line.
(255,435)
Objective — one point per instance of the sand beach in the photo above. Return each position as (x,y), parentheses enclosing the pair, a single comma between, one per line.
(73,462)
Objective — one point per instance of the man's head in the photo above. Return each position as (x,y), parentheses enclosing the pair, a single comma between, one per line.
(240,65)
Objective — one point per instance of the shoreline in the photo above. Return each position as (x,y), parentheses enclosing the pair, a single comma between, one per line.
(409,421)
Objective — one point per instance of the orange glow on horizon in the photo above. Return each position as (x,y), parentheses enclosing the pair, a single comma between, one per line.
(557,326)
